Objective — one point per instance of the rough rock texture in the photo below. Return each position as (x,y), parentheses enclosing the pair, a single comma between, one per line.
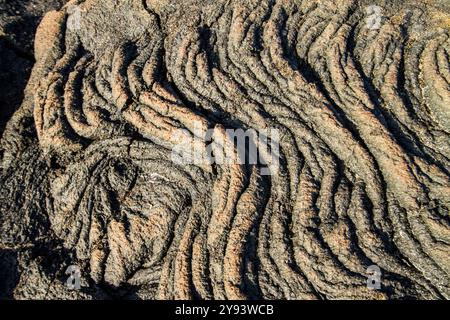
(18,22)
(364,116)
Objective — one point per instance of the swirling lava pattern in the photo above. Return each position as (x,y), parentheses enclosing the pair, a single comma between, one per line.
(364,175)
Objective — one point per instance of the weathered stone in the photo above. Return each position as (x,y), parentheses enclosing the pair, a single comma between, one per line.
(362,105)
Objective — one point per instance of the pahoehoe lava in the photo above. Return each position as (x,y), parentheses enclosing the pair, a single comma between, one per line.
(364,115)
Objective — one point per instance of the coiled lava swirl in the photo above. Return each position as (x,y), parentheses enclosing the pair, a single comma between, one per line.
(364,117)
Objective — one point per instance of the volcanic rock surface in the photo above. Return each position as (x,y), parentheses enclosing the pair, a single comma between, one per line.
(18,22)
(87,175)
